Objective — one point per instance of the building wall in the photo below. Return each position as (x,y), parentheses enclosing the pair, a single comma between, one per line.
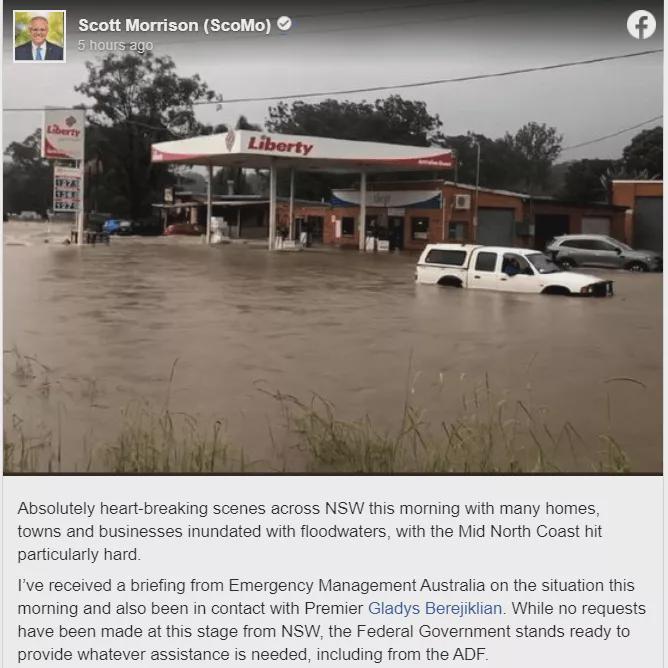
(330,227)
(624,194)
(486,200)
(434,233)
(577,213)
(300,211)
(440,220)
(260,230)
(462,219)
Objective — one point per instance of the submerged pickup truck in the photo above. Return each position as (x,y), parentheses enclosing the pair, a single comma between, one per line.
(507,269)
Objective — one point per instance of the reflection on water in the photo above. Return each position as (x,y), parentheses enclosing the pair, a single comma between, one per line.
(111,323)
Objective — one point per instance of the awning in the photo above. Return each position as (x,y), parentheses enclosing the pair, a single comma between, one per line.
(259,150)
(389,198)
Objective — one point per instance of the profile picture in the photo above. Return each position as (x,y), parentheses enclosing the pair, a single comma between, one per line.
(39,36)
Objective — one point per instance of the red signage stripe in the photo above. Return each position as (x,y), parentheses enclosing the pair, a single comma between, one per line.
(51,152)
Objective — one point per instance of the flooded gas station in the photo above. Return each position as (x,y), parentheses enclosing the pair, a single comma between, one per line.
(217,333)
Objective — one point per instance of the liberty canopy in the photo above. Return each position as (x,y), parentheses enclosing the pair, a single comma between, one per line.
(259,150)
(268,150)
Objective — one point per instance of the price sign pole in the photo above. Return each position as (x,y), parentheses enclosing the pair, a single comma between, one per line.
(80,205)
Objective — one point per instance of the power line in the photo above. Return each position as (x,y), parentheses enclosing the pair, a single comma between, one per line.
(613,134)
(375,27)
(373,89)
(566,148)
(434,82)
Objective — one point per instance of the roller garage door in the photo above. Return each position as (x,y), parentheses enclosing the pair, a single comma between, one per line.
(496,227)
(648,223)
(595,225)
(549,226)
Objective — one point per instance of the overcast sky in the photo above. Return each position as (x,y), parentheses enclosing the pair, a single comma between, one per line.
(371,43)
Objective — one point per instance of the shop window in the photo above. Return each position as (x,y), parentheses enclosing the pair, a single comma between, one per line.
(457,231)
(420,228)
(347,226)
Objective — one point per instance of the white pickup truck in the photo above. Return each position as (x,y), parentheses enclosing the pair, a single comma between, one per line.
(507,269)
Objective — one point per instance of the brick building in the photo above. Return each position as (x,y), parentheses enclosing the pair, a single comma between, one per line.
(245,216)
(643,206)
(409,215)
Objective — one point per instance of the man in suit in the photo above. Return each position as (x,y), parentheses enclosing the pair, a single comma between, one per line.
(38,48)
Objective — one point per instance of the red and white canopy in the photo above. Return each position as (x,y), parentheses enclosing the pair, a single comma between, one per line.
(248,148)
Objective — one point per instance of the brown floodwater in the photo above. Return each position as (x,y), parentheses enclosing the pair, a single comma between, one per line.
(210,330)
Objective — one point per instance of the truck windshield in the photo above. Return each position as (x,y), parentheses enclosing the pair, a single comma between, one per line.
(542,263)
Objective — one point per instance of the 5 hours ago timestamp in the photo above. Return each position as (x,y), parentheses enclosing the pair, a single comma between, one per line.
(95,45)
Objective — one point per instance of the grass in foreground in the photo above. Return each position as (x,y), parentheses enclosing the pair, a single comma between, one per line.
(488,432)
(490,435)
(166,442)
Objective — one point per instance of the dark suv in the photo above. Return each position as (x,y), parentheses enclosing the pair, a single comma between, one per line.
(598,250)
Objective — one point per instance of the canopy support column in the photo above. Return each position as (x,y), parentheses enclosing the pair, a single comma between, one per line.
(291,231)
(362,221)
(209,202)
(272,206)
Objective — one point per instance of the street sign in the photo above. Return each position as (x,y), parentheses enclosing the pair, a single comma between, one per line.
(66,189)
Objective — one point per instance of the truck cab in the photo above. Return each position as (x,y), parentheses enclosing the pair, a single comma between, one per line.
(502,268)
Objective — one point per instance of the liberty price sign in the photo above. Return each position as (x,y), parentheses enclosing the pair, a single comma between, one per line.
(63,134)
(66,189)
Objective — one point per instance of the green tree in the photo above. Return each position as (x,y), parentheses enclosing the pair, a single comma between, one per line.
(27,184)
(392,120)
(582,181)
(464,149)
(645,153)
(137,100)
(537,146)
(500,163)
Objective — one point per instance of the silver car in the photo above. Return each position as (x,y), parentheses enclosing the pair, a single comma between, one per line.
(599,250)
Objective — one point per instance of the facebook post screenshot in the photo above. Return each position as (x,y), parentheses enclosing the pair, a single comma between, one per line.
(333,334)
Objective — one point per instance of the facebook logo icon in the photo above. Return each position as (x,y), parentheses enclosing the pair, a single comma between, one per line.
(641,24)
